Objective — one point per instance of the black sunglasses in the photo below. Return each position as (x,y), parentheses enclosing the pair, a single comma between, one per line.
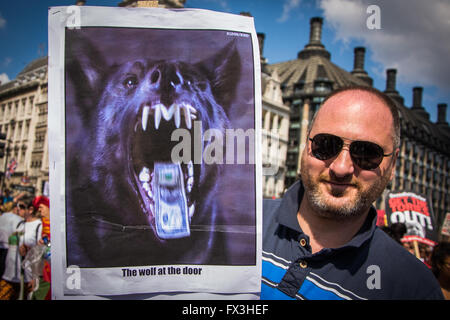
(366,155)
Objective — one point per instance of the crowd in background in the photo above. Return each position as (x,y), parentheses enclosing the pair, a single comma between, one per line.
(24,247)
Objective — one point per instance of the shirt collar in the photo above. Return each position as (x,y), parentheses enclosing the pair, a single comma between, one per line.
(287,212)
(290,204)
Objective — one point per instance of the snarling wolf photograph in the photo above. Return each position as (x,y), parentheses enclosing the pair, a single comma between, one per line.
(127,90)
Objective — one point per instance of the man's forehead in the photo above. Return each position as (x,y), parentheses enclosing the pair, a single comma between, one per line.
(355,101)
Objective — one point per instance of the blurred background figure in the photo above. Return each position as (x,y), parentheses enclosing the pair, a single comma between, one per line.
(396,231)
(440,264)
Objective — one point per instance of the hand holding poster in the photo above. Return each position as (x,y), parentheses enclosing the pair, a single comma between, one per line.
(155,112)
(415,212)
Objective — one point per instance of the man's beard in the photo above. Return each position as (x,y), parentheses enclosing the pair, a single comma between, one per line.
(353,207)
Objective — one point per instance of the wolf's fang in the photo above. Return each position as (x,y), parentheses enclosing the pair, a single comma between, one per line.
(145,113)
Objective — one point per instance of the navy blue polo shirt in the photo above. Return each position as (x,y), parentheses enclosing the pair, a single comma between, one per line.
(370,266)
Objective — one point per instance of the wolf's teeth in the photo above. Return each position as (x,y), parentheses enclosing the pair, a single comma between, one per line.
(189,184)
(191,210)
(190,168)
(146,186)
(144,175)
(191,108)
(145,113)
(150,194)
(176,114)
(167,113)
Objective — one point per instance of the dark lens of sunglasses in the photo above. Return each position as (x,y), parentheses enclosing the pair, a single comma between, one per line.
(366,155)
(325,146)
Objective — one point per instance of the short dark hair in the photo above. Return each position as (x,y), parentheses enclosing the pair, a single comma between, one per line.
(382,96)
(440,252)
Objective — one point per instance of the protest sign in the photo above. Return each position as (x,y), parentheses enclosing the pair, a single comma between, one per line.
(446,225)
(155,184)
(415,212)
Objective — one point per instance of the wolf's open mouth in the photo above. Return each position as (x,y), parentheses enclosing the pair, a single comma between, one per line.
(167,190)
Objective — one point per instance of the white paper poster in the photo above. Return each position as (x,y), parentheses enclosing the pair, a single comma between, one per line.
(154,135)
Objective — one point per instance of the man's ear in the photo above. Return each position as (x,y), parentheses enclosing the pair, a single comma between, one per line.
(85,69)
(224,71)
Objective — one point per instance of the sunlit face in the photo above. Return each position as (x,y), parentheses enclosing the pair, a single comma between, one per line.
(44,210)
(337,188)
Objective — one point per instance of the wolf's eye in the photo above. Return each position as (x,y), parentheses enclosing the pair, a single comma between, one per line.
(130,82)
(202,85)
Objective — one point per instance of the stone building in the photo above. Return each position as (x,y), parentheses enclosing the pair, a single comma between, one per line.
(23,118)
(275,129)
(305,82)
(423,164)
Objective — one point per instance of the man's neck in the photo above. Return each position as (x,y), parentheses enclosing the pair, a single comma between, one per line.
(326,232)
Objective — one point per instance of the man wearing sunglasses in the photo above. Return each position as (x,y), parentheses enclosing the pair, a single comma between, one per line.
(321,241)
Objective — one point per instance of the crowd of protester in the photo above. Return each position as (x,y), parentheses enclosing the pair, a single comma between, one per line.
(24,247)
(436,257)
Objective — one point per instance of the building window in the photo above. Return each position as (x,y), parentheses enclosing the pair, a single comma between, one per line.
(30,107)
(299,86)
(322,86)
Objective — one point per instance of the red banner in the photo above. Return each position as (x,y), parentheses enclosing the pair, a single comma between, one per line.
(414,211)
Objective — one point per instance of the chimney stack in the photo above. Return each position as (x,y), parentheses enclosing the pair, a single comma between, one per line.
(314,46)
(391,91)
(315,32)
(417,103)
(358,66)
(358,63)
(442,114)
(417,98)
(391,75)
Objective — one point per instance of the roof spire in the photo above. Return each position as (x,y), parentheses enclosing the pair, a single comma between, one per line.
(315,46)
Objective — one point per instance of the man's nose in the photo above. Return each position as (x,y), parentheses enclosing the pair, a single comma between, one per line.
(343,165)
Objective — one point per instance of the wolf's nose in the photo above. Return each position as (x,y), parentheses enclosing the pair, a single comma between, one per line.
(154,78)
(168,77)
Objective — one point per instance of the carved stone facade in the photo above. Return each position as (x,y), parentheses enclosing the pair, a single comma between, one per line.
(275,130)
(23,117)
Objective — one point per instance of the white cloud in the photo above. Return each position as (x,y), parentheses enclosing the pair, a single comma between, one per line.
(414,35)
(287,7)
(4,78)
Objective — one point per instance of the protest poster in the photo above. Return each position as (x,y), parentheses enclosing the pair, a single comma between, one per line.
(155,180)
(415,212)
(381,218)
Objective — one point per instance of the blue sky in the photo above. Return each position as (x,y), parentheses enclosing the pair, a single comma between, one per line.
(414,36)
